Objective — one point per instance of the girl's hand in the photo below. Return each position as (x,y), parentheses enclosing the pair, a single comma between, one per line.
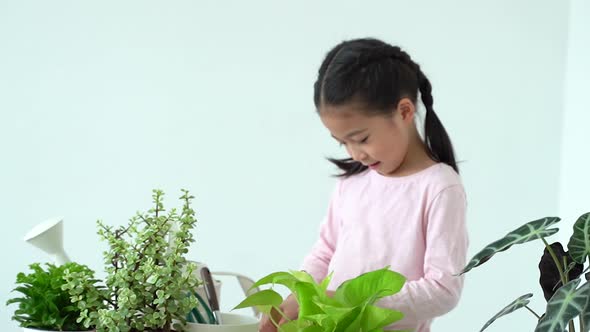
(290,308)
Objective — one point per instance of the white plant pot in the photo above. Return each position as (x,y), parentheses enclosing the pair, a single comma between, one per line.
(231,323)
(26,329)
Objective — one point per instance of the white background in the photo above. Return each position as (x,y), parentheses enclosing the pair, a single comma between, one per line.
(100,102)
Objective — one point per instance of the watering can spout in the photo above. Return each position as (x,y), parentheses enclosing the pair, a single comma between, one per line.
(48,236)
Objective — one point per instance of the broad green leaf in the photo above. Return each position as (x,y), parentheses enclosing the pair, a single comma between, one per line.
(579,245)
(376,317)
(324,284)
(299,325)
(291,326)
(528,232)
(336,313)
(567,303)
(520,302)
(355,325)
(371,285)
(267,297)
(303,276)
(305,294)
(265,309)
(319,319)
(282,278)
(327,300)
(349,310)
(352,319)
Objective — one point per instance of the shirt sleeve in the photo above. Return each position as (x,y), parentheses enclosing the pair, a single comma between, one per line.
(317,262)
(439,290)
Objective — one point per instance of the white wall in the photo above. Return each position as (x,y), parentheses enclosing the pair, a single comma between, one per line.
(575,159)
(101,102)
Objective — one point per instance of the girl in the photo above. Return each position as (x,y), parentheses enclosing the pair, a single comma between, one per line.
(399,201)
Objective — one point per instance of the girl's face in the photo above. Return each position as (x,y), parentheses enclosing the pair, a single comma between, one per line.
(378,141)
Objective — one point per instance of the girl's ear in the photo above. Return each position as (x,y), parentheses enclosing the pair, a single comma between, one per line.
(406,109)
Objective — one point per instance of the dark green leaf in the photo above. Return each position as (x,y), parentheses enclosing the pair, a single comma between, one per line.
(579,244)
(520,302)
(46,302)
(585,314)
(567,303)
(528,232)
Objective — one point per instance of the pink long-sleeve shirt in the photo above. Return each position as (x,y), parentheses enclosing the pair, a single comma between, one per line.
(415,224)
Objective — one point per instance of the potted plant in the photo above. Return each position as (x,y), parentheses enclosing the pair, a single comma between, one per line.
(44,305)
(149,280)
(351,308)
(560,274)
(231,323)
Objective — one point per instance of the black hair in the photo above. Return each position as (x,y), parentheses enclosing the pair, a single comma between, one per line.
(379,75)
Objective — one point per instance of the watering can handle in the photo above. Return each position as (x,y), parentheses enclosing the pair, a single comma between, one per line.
(246,284)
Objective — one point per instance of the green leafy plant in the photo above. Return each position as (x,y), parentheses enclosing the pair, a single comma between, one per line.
(44,304)
(560,273)
(351,309)
(148,278)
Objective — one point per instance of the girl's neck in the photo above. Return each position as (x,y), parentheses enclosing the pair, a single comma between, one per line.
(417,158)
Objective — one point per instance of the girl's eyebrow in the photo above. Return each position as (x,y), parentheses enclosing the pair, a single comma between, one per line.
(352,133)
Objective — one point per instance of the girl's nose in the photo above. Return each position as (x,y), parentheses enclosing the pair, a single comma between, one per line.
(358,155)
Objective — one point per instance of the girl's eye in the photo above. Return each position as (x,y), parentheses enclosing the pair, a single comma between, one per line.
(364,140)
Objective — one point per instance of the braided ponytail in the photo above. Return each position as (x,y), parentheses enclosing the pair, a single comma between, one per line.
(437,140)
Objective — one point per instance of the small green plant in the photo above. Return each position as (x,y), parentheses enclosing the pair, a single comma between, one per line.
(560,273)
(44,304)
(148,278)
(350,309)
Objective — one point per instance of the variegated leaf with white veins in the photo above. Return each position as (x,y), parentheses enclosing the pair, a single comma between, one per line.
(567,303)
(528,232)
(520,302)
(579,245)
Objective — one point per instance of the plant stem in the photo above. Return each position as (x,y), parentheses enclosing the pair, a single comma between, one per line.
(284,316)
(555,260)
(272,319)
(532,311)
(566,273)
